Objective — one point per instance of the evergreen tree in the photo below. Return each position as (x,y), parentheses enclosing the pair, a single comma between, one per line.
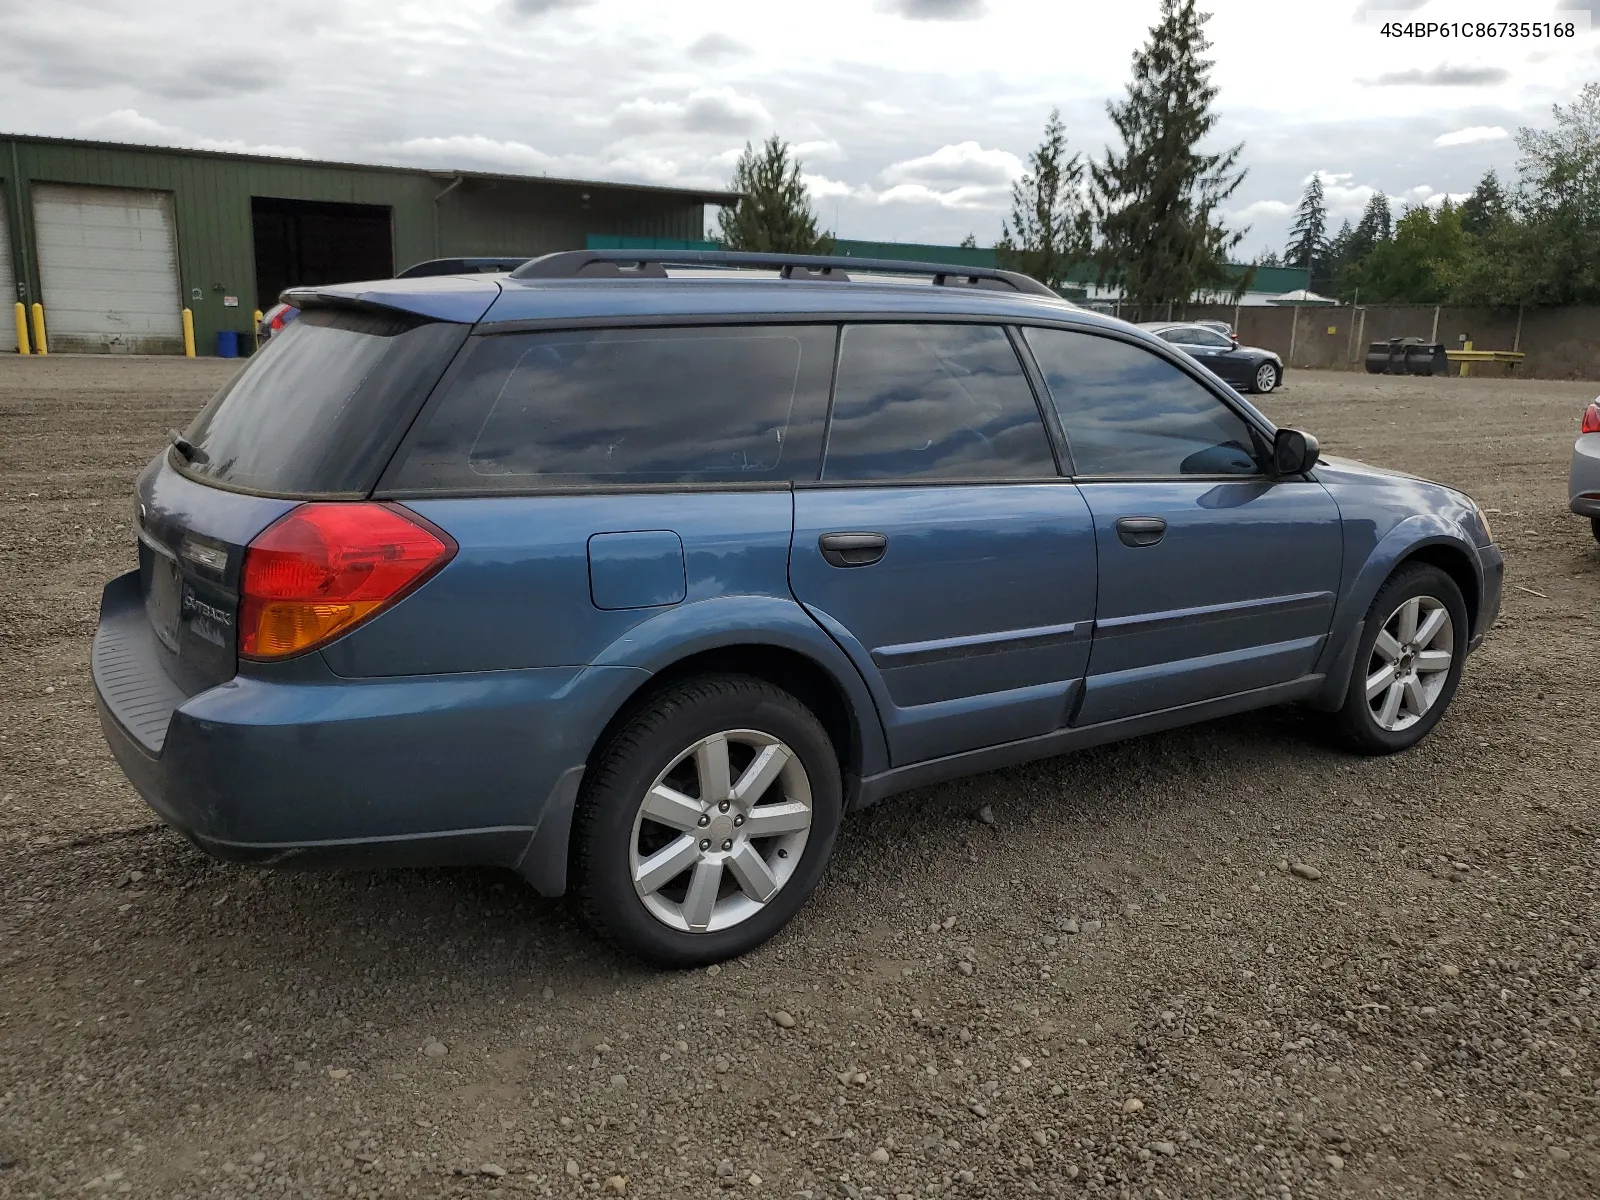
(1308,237)
(1048,229)
(1485,206)
(1156,199)
(1268,258)
(970,242)
(1337,258)
(775,211)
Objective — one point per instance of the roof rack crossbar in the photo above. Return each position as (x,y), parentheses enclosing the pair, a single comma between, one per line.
(634,264)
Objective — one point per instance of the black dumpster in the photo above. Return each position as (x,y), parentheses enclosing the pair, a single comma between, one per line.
(1406,356)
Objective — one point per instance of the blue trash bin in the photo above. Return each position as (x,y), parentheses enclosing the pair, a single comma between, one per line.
(227,343)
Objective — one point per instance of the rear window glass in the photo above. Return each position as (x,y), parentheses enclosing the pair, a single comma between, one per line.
(934,402)
(735,404)
(319,410)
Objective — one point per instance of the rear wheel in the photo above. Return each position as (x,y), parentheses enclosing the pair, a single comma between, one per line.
(1594,526)
(1408,662)
(1266,378)
(707,822)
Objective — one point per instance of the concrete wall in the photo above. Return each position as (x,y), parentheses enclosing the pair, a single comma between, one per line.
(1560,343)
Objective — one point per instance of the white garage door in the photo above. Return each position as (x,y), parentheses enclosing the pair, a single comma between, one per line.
(108,265)
(8,287)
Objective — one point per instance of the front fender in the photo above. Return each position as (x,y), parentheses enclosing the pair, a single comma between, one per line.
(1402,541)
(685,630)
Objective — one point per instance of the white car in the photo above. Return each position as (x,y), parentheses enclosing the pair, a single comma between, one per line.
(1583,484)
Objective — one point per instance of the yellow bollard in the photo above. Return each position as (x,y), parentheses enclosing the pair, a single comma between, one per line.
(22,328)
(1464,366)
(255,327)
(40,345)
(188,334)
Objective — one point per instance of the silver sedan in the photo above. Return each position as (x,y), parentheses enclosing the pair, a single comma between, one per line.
(1583,485)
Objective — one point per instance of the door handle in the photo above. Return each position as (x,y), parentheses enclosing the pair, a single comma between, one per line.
(1141,531)
(852,549)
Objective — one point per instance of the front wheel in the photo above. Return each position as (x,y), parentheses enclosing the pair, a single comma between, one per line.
(1408,662)
(707,821)
(1266,378)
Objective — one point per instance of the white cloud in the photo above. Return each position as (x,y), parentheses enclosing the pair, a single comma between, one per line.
(129,125)
(1473,133)
(473,151)
(706,110)
(956,198)
(826,150)
(823,188)
(935,10)
(963,162)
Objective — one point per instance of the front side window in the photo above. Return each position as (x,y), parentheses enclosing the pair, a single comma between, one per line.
(920,402)
(1127,411)
(737,404)
(1209,337)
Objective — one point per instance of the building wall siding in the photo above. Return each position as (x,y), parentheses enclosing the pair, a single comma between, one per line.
(211,205)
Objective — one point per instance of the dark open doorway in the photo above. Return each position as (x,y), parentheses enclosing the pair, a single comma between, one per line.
(314,241)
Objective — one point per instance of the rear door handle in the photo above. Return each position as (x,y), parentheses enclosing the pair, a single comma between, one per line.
(1141,531)
(852,549)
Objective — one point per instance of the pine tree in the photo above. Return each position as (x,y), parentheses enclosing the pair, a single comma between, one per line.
(1308,237)
(970,242)
(1376,225)
(1048,229)
(1156,200)
(1485,206)
(775,211)
(1335,260)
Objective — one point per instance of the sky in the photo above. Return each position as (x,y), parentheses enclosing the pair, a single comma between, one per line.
(912,118)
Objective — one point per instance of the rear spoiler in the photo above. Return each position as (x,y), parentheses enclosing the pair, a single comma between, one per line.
(457,298)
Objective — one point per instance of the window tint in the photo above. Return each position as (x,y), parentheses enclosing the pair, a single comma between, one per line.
(319,410)
(1128,412)
(933,402)
(1209,337)
(1178,337)
(709,405)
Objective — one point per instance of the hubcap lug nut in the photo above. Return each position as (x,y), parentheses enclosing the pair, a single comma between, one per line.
(704,820)
(728,845)
(706,845)
(738,821)
(723,806)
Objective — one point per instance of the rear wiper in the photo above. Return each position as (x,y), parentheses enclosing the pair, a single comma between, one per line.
(191,452)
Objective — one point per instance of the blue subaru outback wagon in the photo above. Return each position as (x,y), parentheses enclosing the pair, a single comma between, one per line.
(636,580)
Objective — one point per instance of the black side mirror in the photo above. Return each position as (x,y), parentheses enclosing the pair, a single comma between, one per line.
(1293,452)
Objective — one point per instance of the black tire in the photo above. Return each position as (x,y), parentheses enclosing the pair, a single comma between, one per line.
(604,824)
(1356,722)
(1258,385)
(1594,527)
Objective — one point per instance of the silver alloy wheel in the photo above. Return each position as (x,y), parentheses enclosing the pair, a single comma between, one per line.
(720,831)
(1266,377)
(1410,663)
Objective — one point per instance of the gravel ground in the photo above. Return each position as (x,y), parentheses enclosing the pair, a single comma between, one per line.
(1226,961)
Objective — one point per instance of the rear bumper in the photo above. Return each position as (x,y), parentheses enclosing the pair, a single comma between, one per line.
(303,768)
(1583,481)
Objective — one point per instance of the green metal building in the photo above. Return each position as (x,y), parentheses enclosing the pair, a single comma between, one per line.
(115,240)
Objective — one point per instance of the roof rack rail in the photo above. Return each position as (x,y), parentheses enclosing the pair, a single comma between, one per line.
(652,264)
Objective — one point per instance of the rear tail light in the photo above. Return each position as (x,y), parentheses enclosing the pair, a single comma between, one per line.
(322,569)
(1591,418)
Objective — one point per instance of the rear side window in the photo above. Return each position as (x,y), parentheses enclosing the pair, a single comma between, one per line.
(1127,411)
(320,409)
(933,402)
(734,404)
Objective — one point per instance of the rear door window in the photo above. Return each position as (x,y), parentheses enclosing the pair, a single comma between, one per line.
(1129,412)
(729,405)
(322,406)
(933,402)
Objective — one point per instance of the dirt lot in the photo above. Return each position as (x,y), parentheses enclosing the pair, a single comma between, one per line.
(1418,1022)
